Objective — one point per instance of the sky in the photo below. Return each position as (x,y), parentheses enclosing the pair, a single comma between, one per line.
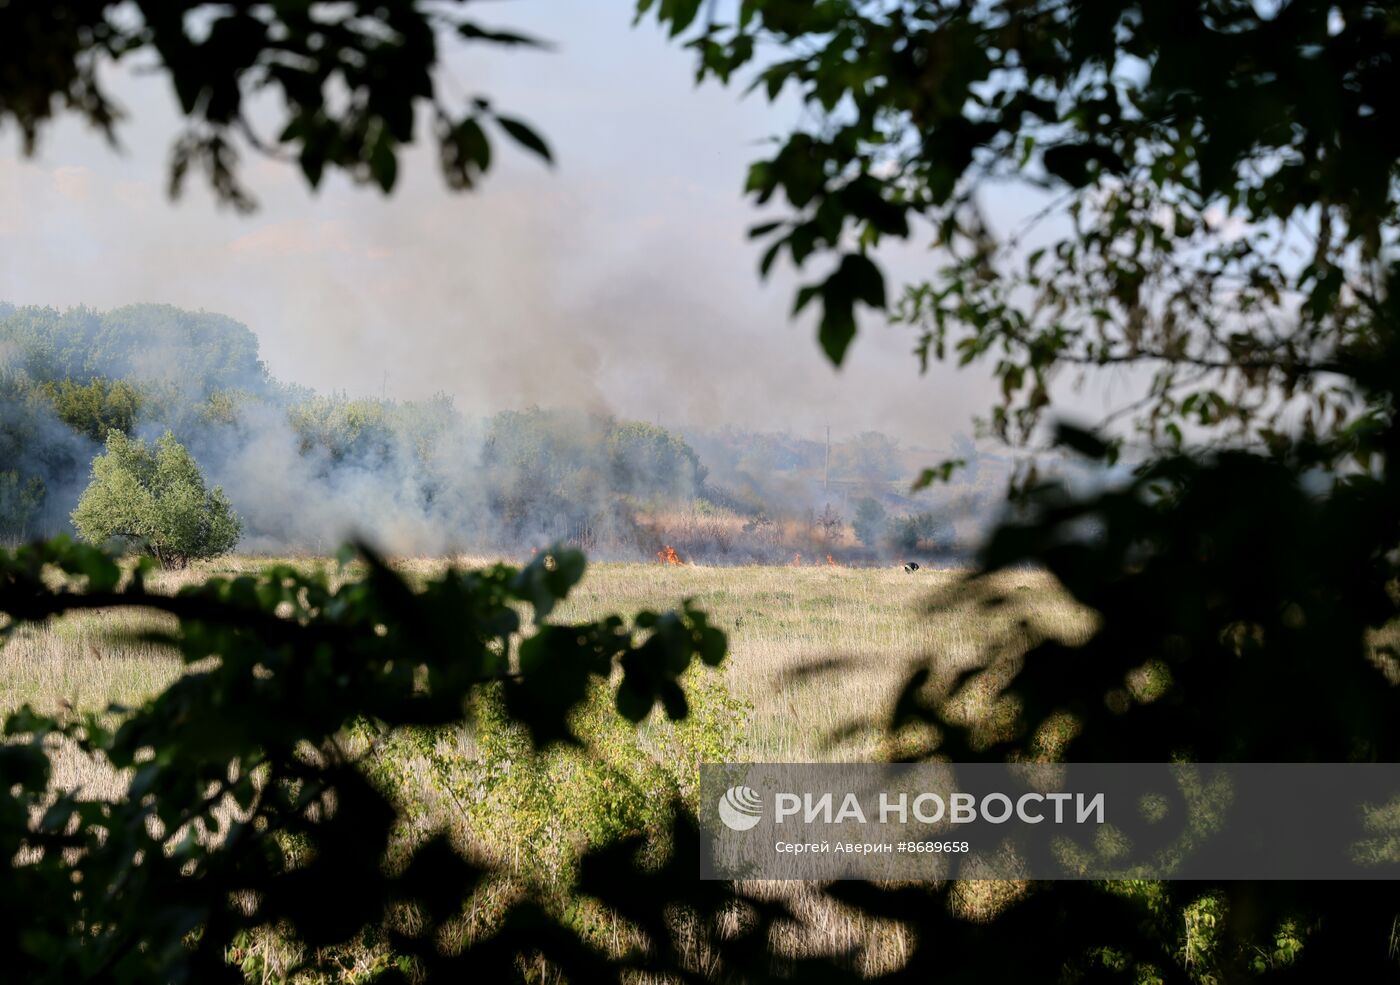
(621,280)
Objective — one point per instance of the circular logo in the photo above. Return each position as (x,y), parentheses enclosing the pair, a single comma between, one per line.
(740,808)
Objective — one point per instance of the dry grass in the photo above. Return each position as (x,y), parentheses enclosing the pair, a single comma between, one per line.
(786,623)
(867,626)
(813,649)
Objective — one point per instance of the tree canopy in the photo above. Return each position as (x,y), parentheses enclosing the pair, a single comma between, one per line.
(1220,179)
(155,499)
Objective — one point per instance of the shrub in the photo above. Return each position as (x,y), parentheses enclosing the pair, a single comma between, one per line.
(20,499)
(915,531)
(870,521)
(537,811)
(157,498)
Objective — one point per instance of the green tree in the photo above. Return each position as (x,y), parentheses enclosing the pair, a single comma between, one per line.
(646,460)
(96,407)
(341,429)
(870,521)
(157,499)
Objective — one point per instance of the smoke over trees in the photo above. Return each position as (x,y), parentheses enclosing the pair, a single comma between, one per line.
(306,470)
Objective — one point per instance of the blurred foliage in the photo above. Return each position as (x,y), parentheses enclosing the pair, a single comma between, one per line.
(1221,174)
(1222,177)
(541,809)
(1215,186)
(243,808)
(352,83)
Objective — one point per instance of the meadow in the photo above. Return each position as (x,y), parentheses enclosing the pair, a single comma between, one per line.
(784,624)
(817,654)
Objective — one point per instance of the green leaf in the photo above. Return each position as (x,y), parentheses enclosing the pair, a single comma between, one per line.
(383,163)
(769,256)
(942,472)
(866,282)
(837,328)
(525,137)
(509,38)
(633,703)
(1082,441)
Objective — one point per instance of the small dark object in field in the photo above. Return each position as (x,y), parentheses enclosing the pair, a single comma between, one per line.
(912,566)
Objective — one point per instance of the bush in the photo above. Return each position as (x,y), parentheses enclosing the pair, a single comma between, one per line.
(917,531)
(537,811)
(20,499)
(870,521)
(96,407)
(156,498)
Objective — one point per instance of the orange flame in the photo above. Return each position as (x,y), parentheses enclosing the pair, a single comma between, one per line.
(832,562)
(796,561)
(668,555)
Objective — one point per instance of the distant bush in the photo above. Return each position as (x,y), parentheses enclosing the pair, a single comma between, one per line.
(916,531)
(20,499)
(575,477)
(870,521)
(155,498)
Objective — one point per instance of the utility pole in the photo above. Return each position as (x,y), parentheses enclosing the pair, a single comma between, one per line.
(384,386)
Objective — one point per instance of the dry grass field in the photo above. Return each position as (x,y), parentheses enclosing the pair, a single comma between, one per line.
(779,619)
(866,626)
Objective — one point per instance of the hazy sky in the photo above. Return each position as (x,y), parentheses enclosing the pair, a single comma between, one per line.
(620,280)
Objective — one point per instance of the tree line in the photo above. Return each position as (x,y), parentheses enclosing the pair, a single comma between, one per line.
(518,477)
